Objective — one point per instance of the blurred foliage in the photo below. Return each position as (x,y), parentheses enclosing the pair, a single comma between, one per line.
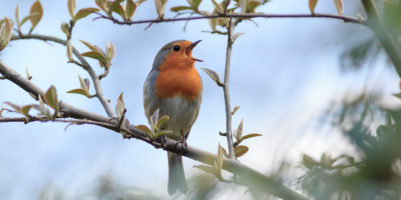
(105,188)
(375,171)
(363,47)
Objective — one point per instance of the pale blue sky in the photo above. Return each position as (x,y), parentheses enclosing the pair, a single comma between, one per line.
(284,73)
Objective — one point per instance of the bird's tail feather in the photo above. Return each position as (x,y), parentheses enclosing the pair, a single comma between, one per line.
(176,176)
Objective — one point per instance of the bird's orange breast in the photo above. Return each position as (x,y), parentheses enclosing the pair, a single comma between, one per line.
(178,77)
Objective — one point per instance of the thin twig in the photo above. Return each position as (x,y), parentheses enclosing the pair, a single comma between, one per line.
(84,64)
(246,16)
(249,177)
(226,90)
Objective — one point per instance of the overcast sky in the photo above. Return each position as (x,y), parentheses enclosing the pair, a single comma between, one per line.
(285,72)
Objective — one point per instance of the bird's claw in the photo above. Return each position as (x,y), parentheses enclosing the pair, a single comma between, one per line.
(184,144)
(161,139)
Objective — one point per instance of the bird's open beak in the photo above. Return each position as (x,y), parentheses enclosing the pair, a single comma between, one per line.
(190,47)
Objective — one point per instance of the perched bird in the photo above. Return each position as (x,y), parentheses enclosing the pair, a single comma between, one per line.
(175,88)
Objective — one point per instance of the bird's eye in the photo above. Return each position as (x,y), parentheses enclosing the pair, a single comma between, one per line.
(176,48)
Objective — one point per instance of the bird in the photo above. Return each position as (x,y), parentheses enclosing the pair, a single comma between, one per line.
(174,86)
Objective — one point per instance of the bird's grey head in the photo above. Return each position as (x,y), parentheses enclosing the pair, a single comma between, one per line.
(160,56)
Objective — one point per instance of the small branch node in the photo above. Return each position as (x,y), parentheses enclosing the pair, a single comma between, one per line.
(222,134)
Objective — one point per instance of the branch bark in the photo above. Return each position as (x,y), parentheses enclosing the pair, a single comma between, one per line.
(246,16)
(84,64)
(226,89)
(248,176)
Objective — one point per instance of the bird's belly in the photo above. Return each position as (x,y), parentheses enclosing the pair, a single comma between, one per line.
(182,113)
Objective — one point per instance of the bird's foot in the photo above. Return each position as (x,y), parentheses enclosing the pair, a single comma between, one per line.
(161,139)
(184,144)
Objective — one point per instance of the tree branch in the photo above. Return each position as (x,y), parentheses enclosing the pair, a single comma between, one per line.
(84,64)
(226,90)
(248,176)
(246,16)
(376,24)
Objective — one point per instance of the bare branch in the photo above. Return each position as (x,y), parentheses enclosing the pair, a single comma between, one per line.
(248,176)
(84,64)
(226,90)
(239,16)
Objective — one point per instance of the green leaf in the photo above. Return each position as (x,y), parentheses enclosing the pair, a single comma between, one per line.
(79,91)
(312,6)
(240,150)
(163,132)
(160,5)
(26,18)
(65,28)
(308,161)
(90,46)
(154,118)
(219,158)
(71,7)
(110,51)
(95,55)
(235,110)
(162,121)
(146,130)
(43,109)
(179,8)
(16,13)
(218,7)
(252,5)
(218,170)
(117,8)
(196,3)
(102,4)
(120,107)
(38,9)
(225,153)
(213,75)
(51,98)
(339,6)
(250,136)
(213,24)
(130,7)
(139,2)
(25,109)
(326,161)
(190,2)
(239,130)
(83,13)
(5,33)
(69,51)
(83,84)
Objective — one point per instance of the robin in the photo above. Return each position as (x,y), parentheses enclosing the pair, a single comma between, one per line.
(175,88)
